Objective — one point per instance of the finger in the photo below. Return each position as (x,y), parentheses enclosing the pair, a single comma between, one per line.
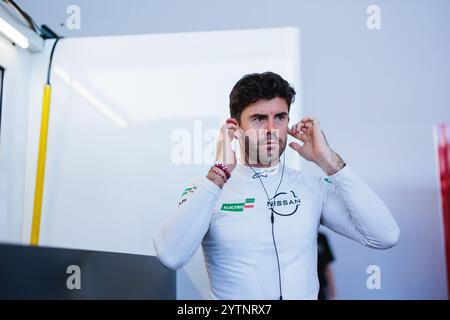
(237,133)
(296,147)
(303,137)
(304,130)
(309,118)
(306,126)
(291,131)
(231,126)
(228,131)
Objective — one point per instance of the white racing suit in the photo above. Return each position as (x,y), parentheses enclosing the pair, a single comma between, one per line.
(234,227)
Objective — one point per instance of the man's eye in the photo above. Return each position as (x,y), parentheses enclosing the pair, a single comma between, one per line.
(280,117)
(259,119)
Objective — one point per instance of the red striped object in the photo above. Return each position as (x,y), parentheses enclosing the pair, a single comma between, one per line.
(443,144)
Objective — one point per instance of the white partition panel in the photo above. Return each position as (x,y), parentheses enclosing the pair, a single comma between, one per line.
(121,108)
(16,63)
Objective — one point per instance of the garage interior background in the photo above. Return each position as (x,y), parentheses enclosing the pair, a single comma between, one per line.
(378,93)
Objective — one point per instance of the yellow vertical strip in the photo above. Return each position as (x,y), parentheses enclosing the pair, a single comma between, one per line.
(39,188)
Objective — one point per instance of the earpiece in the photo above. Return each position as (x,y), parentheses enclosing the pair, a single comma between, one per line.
(272,219)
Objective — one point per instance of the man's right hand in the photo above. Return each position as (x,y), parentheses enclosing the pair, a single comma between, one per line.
(224,151)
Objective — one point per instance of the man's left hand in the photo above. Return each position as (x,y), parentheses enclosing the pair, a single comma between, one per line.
(315,146)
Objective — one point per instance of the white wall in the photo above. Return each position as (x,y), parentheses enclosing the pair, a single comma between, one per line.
(116,104)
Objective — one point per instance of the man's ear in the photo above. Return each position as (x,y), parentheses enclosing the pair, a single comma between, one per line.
(232,120)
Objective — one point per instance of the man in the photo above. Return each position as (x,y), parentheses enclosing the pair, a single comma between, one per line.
(257,220)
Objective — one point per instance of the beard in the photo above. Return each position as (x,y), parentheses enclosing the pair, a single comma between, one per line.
(267,150)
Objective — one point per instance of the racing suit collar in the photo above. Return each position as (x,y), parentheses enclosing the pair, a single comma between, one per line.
(258,172)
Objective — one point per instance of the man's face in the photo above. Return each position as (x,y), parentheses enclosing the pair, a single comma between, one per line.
(264,124)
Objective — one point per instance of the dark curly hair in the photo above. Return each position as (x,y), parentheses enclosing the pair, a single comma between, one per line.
(256,86)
